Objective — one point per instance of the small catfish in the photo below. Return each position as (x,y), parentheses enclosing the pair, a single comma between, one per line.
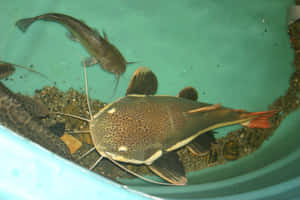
(101,50)
(147,129)
(20,114)
(35,107)
(7,69)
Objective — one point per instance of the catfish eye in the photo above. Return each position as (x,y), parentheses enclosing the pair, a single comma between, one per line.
(122,149)
(111,111)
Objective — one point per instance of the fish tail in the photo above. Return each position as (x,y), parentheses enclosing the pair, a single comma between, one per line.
(23,24)
(258,119)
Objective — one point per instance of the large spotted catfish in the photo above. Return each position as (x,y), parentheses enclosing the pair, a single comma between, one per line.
(146,129)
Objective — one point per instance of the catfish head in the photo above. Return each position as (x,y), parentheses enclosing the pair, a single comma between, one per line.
(123,132)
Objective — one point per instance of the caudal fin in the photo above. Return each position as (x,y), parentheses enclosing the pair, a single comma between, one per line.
(23,24)
(259,119)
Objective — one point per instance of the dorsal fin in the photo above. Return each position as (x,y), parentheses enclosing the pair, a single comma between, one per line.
(97,34)
(143,81)
(188,93)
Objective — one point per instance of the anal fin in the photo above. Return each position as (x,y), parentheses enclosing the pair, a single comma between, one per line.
(72,37)
(170,168)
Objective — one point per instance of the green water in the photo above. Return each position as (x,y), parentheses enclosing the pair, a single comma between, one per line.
(221,49)
(234,52)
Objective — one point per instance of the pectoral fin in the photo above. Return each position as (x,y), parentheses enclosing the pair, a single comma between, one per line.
(130,63)
(170,168)
(200,146)
(143,81)
(188,93)
(105,35)
(90,61)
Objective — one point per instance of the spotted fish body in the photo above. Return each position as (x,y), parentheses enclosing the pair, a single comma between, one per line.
(139,129)
(143,128)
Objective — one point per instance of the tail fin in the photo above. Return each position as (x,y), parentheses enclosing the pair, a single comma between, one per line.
(259,119)
(23,24)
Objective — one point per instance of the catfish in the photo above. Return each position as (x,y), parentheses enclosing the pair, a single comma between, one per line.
(7,69)
(147,129)
(20,114)
(101,50)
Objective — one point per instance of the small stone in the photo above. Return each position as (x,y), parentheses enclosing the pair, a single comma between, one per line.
(231,150)
(72,143)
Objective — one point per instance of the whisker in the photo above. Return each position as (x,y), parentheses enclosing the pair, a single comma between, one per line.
(76,131)
(96,163)
(85,154)
(87,91)
(137,175)
(70,115)
(33,71)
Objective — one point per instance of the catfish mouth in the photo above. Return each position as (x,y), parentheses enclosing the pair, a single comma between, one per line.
(123,159)
(119,158)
